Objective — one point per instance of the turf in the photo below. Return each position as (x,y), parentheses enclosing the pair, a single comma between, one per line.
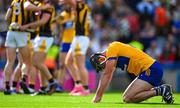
(63,100)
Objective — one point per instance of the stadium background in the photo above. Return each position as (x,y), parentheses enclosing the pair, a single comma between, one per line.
(151,25)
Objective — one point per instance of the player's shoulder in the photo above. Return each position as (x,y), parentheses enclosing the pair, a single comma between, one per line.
(49,10)
(87,6)
(63,13)
(14,1)
(112,45)
(115,43)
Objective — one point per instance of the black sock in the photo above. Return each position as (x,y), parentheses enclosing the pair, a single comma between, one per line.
(7,85)
(31,86)
(14,84)
(43,88)
(24,78)
(77,82)
(51,80)
(158,90)
(85,87)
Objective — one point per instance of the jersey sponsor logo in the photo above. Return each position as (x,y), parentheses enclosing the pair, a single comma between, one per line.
(68,24)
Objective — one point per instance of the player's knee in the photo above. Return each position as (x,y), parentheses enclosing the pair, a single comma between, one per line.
(62,66)
(81,65)
(19,66)
(127,99)
(68,63)
(9,64)
(35,63)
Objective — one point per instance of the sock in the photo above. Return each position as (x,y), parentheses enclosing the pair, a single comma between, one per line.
(14,84)
(24,78)
(85,87)
(77,82)
(51,80)
(159,90)
(31,86)
(7,85)
(43,88)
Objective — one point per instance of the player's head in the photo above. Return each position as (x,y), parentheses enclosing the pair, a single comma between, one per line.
(98,61)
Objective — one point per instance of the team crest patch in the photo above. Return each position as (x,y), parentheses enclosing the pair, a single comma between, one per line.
(148,72)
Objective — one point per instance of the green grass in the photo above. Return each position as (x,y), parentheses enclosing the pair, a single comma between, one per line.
(63,100)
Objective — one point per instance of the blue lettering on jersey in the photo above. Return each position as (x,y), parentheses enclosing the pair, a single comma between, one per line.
(68,25)
(122,63)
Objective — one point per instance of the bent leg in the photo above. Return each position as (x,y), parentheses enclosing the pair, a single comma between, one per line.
(26,57)
(38,62)
(138,91)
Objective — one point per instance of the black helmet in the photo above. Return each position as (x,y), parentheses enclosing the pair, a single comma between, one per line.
(98,61)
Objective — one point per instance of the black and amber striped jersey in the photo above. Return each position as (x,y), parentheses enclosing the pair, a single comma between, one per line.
(34,16)
(82,20)
(45,30)
(19,14)
(31,14)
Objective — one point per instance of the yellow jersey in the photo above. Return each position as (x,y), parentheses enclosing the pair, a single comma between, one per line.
(128,58)
(82,20)
(67,22)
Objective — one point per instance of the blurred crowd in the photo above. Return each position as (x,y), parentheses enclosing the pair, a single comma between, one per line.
(150,25)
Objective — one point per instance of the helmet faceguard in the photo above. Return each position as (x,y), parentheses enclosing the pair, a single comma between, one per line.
(98,61)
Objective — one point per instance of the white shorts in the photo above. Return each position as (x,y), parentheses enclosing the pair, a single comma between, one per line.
(42,44)
(15,39)
(80,45)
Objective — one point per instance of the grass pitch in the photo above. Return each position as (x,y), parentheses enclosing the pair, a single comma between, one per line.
(63,100)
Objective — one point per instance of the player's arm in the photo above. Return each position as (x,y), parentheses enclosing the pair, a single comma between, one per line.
(8,15)
(31,7)
(58,19)
(53,28)
(105,79)
(45,18)
(61,33)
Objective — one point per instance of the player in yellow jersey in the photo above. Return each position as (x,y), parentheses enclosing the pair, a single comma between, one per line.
(66,20)
(148,71)
(75,60)
(43,42)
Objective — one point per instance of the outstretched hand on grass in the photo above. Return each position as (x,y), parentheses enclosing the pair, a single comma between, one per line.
(96,99)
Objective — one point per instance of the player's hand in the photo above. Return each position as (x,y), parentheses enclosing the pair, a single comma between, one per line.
(96,99)
(24,27)
(47,6)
